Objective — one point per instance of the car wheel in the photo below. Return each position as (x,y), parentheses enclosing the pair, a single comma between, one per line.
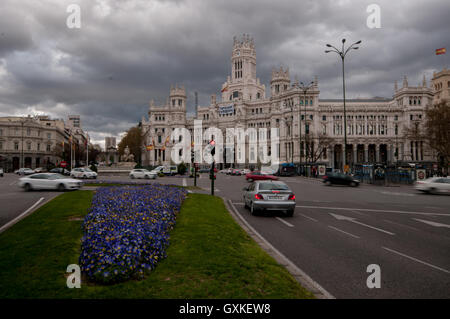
(245,204)
(433,191)
(290,213)
(84,176)
(353,184)
(253,210)
(61,187)
(328,183)
(147,177)
(132,176)
(28,187)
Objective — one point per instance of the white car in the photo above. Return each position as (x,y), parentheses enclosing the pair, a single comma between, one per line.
(49,181)
(142,173)
(83,172)
(157,170)
(24,171)
(434,185)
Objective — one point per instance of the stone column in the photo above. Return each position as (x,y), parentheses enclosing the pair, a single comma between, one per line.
(366,152)
(332,156)
(377,153)
(355,153)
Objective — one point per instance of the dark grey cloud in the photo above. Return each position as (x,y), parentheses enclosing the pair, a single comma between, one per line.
(128,52)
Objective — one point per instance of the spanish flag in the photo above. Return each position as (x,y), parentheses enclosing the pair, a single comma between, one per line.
(225,89)
(440,51)
(167,140)
(149,147)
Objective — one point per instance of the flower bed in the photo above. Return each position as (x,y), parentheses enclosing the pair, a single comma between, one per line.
(126,231)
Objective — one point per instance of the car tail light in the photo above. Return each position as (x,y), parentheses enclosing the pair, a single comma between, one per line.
(325,177)
(291,197)
(258,196)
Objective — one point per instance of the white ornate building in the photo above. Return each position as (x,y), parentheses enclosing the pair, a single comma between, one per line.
(376,128)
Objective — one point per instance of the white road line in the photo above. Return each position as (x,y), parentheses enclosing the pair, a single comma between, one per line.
(313,219)
(307,281)
(284,222)
(340,230)
(184,182)
(15,220)
(373,210)
(419,261)
(398,224)
(353,220)
(435,224)
(13,183)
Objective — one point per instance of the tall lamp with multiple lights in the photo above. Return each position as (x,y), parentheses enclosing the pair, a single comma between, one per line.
(342,53)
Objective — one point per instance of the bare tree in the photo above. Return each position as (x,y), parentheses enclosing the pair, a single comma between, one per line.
(315,146)
(434,131)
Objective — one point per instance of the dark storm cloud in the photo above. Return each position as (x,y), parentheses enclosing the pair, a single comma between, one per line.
(128,52)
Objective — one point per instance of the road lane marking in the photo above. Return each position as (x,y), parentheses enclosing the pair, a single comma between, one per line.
(313,219)
(305,280)
(419,261)
(284,222)
(359,213)
(396,194)
(15,220)
(435,224)
(340,230)
(374,210)
(398,224)
(13,183)
(353,220)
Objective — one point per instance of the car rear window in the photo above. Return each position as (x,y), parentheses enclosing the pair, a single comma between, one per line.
(273,186)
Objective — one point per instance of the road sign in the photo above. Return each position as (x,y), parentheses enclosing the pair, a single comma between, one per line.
(63,164)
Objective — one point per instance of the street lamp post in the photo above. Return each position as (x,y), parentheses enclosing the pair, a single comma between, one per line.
(304,88)
(342,54)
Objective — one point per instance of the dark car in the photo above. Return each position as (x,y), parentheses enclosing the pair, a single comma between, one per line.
(340,179)
(60,170)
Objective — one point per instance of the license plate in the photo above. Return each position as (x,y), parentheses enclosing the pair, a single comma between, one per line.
(275,197)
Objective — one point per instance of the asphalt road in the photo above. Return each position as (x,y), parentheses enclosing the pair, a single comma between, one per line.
(335,233)
(338,231)
(14,201)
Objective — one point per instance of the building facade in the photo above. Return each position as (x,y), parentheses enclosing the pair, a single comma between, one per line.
(311,129)
(37,141)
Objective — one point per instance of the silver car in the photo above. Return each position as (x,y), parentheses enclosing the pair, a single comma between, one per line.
(269,195)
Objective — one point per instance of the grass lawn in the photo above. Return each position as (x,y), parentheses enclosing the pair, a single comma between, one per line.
(210,256)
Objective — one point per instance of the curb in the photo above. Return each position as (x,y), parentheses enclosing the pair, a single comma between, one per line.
(41,202)
(299,275)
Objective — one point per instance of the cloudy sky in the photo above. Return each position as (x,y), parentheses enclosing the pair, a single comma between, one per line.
(130,51)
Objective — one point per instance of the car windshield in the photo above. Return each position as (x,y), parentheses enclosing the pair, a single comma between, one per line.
(55,176)
(87,170)
(273,186)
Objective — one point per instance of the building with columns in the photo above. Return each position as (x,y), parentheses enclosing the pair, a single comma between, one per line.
(311,129)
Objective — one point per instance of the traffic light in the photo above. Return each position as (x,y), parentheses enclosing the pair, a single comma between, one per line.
(213,147)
